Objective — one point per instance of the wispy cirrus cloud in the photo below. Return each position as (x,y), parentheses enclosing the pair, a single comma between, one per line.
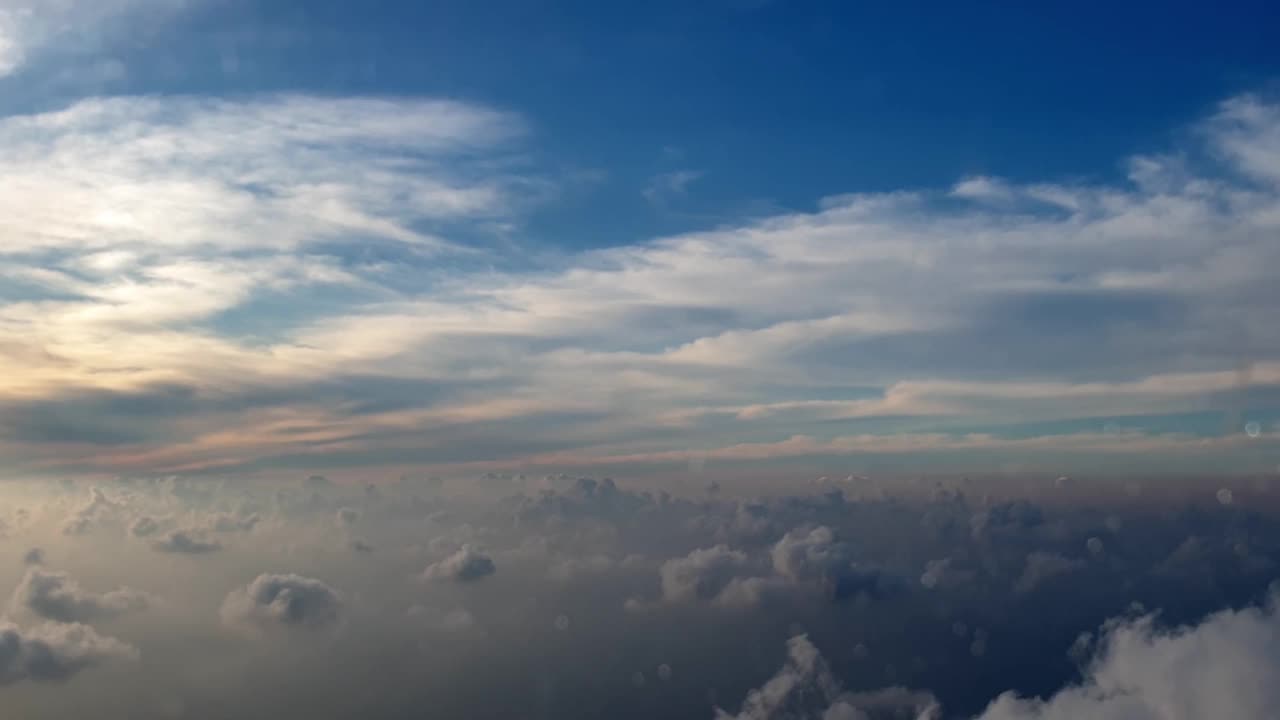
(31,28)
(265,279)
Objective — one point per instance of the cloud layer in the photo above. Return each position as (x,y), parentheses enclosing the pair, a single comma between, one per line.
(234,283)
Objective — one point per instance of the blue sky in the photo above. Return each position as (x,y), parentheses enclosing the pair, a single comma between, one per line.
(400,236)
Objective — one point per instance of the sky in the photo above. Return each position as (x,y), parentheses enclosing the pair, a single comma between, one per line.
(447,238)
(716,360)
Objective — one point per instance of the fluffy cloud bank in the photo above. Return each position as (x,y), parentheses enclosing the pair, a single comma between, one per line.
(1225,667)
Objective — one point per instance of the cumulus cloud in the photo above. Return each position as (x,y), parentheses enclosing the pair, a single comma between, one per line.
(57,596)
(815,554)
(1224,667)
(704,575)
(805,688)
(97,506)
(55,652)
(466,565)
(942,574)
(185,542)
(282,601)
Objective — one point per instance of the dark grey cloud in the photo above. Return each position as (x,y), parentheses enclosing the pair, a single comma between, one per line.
(804,687)
(55,652)
(347,517)
(913,589)
(185,542)
(430,618)
(282,600)
(57,596)
(1042,567)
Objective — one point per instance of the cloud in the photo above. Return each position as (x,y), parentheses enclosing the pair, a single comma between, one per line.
(704,575)
(144,526)
(55,652)
(805,688)
(56,596)
(811,555)
(347,517)
(665,187)
(1224,667)
(30,27)
(83,517)
(230,522)
(1043,566)
(146,215)
(185,542)
(283,601)
(172,221)
(466,565)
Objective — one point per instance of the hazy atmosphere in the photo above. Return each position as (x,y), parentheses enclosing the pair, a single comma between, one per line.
(728,359)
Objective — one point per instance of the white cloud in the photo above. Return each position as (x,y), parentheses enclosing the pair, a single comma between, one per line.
(29,27)
(1224,668)
(1060,301)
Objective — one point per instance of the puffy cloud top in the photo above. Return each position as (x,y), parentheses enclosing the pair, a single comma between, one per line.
(701,575)
(812,555)
(1225,667)
(56,596)
(466,565)
(283,600)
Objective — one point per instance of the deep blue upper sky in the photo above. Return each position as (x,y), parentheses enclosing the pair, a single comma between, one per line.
(774,103)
